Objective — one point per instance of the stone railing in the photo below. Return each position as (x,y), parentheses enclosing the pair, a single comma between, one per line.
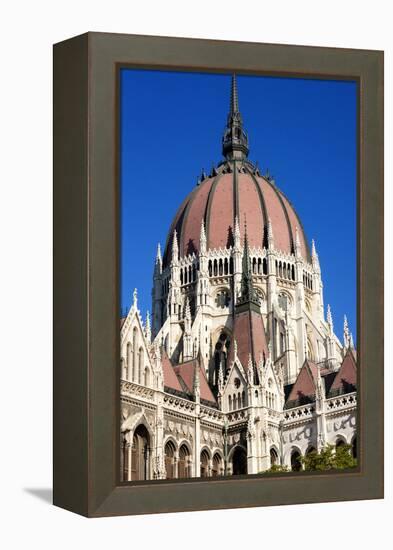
(130,389)
(341,402)
(305,412)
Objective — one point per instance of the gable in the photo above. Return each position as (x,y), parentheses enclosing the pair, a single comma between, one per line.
(346,377)
(303,390)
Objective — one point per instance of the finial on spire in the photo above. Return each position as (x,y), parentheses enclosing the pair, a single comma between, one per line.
(346,333)
(314,255)
(135,298)
(175,248)
(158,262)
(351,344)
(235,140)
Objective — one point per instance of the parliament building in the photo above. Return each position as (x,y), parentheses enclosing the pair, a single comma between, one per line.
(239,367)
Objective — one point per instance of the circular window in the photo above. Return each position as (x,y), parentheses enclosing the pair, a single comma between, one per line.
(237,382)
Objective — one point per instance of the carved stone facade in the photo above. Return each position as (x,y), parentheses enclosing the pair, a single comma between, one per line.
(240,369)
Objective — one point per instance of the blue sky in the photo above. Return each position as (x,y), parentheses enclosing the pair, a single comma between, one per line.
(303,131)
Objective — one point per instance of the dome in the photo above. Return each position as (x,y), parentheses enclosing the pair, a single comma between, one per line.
(235,189)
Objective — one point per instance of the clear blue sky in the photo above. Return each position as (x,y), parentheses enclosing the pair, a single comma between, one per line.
(303,131)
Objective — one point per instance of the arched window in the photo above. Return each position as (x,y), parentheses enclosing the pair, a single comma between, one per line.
(273,457)
(296,464)
(239,461)
(340,443)
(147,376)
(264,266)
(204,464)
(310,350)
(184,468)
(230,402)
(210,268)
(221,353)
(134,355)
(140,366)
(170,460)
(217,469)
(140,454)
(125,453)
(283,301)
(222,298)
(129,359)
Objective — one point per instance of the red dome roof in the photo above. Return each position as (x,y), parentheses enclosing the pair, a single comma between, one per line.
(236,189)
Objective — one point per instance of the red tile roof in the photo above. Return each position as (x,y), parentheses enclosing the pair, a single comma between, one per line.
(170,378)
(346,377)
(187,373)
(305,384)
(217,199)
(249,333)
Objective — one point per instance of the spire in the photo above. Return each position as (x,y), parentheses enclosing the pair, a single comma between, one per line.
(202,238)
(175,248)
(158,262)
(148,327)
(351,344)
(329,318)
(270,236)
(346,333)
(237,233)
(250,370)
(248,293)
(235,140)
(298,248)
(314,256)
(135,298)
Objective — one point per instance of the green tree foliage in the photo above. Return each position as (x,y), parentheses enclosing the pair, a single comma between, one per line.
(276,469)
(330,458)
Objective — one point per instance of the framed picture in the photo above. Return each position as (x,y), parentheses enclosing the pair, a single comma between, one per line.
(218,274)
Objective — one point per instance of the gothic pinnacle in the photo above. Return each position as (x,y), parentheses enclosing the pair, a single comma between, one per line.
(175,247)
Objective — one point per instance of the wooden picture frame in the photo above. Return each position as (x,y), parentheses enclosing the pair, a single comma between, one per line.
(86,274)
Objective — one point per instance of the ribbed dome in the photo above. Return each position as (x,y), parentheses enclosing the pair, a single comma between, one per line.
(235,189)
(239,190)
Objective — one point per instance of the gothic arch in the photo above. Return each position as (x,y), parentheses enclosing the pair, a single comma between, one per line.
(239,460)
(170,452)
(340,440)
(217,464)
(185,461)
(274,455)
(141,449)
(205,459)
(294,457)
(170,438)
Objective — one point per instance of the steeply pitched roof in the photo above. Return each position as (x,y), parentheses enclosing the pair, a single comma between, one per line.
(346,377)
(249,333)
(303,390)
(187,373)
(170,378)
